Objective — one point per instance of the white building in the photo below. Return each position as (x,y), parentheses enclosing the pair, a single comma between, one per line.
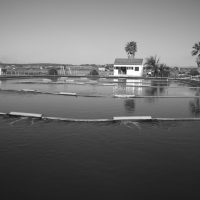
(129,67)
(102,69)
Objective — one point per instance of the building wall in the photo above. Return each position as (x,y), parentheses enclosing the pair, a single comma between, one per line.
(130,72)
(115,72)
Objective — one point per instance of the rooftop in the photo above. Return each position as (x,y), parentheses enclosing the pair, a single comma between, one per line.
(128,61)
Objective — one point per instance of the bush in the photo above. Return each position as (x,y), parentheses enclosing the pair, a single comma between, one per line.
(193,72)
(94,72)
(53,72)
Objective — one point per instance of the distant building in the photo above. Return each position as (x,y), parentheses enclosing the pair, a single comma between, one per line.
(102,69)
(130,67)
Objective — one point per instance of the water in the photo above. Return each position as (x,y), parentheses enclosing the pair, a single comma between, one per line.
(104,107)
(68,160)
(59,160)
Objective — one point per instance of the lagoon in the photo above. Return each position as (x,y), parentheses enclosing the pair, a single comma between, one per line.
(123,160)
(101,104)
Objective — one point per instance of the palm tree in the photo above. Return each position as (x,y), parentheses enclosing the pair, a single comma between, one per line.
(196,51)
(131,49)
(153,63)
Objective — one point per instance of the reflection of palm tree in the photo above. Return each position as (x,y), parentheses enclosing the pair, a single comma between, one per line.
(151,91)
(129,105)
(195,106)
(157,88)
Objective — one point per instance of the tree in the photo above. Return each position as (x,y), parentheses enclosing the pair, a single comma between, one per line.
(153,63)
(161,69)
(94,72)
(164,70)
(53,72)
(131,49)
(196,51)
(4,71)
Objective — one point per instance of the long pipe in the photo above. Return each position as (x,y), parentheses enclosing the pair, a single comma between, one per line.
(114,119)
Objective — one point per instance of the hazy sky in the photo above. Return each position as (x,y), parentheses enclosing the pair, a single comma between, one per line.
(96,31)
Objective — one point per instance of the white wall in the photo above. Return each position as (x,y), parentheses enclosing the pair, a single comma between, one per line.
(130,72)
(115,72)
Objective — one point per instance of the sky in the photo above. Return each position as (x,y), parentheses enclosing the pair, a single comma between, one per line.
(96,31)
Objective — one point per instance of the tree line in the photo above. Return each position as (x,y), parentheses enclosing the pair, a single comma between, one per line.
(153,64)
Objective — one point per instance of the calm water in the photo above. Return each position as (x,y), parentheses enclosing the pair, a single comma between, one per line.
(57,160)
(104,107)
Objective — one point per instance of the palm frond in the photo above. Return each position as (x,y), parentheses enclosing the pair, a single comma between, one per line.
(196,49)
(131,48)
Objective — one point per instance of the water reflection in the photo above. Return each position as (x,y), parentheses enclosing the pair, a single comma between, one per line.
(54,79)
(128,86)
(157,88)
(154,91)
(194,104)
(129,105)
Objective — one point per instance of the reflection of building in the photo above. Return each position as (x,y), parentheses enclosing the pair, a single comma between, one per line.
(128,86)
(128,67)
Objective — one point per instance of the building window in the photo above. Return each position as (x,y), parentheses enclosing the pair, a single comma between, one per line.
(130,68)
(136,68)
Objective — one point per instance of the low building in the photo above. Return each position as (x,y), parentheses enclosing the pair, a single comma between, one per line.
(130,67)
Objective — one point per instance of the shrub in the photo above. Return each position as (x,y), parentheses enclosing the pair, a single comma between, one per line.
(94,72)
(193,72)
(53,72)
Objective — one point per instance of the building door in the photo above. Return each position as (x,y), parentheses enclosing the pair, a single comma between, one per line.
(122,70)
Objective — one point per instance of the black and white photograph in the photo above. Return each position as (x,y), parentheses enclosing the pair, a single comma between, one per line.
(99,99)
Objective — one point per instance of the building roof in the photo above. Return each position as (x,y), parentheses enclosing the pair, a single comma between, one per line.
(128,61)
